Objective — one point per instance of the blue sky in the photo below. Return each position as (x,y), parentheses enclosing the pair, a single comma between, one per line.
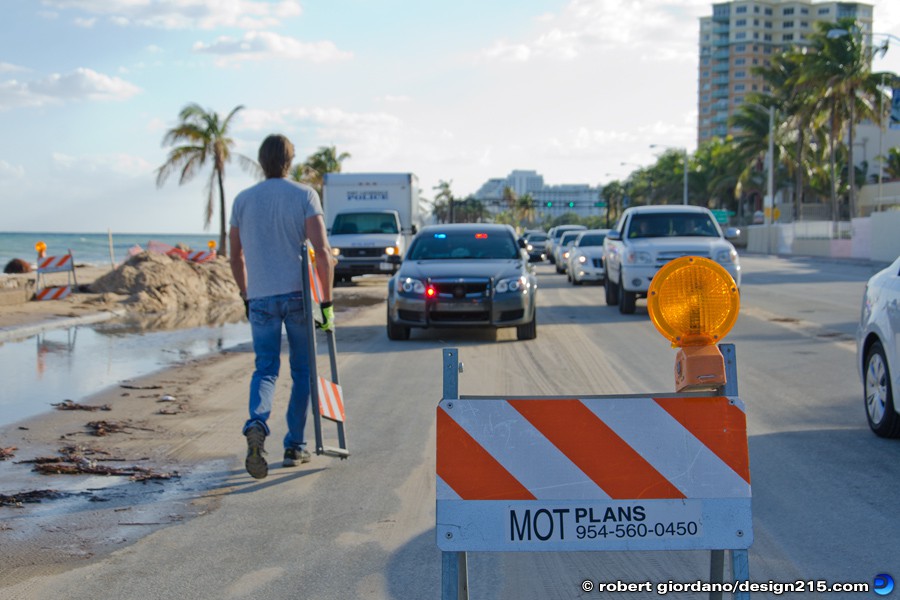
(461,91)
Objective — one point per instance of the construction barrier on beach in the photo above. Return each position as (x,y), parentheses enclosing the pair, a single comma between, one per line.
(54,264)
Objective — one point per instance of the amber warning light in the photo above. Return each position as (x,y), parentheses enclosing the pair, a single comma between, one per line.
(694,303)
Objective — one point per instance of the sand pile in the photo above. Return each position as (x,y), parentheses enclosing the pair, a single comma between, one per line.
(159,283)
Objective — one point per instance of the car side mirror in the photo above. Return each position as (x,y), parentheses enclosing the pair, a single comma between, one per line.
(414,230)
(523,244)
(732,233)
(614,235)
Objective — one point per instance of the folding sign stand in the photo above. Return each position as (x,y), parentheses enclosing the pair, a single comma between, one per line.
(639,472)
(327,395)
(55,264)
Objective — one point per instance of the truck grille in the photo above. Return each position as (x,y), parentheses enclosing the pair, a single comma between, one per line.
(663,257)
(362,252)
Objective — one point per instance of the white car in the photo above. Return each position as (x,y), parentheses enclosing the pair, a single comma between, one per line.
(586,257)
(877,339)
(561,250)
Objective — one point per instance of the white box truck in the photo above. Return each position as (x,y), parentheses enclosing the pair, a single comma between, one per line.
(370,218)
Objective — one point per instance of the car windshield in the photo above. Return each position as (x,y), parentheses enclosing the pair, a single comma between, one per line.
(671,225)
(594,239)
(537,237)
(560,232)
(364,223)
(567,239)
(452,245)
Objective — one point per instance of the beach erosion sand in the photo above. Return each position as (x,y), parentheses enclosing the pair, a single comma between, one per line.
(180,426)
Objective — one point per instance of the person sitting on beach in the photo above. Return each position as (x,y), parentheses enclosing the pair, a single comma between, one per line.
(270,222)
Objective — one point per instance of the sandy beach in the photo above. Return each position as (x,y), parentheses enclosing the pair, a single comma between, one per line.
(175,431)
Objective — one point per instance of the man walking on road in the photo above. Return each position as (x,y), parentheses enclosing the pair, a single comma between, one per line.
(270,221)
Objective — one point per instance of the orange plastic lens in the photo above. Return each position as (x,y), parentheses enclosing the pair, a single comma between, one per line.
(693,301)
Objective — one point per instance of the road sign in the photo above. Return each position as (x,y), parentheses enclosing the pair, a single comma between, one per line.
(722,215)
(666,472)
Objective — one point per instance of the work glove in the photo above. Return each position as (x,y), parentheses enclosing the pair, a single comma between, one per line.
(327,317)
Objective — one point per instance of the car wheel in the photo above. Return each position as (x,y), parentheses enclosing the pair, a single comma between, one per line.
(626,301)
(612,292)
(878,395)
(395,331)
(576,281)
(528,331)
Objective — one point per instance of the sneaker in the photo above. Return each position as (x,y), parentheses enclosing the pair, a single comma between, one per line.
(295,456)
(256,463)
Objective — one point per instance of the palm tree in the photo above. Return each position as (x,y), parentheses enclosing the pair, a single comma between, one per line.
(892,164)
(840,64)
(203,137)
(444,197)
(312,171)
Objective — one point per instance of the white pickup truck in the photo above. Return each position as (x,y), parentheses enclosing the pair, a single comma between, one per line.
(647,237)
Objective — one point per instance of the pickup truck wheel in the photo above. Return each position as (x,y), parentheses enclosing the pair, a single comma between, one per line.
(528,331)
(612,292)
(626,301)
(395,331)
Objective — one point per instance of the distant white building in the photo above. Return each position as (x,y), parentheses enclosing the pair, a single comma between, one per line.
(550,200)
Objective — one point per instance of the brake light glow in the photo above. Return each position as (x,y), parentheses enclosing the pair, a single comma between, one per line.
(430,292)
(480,236)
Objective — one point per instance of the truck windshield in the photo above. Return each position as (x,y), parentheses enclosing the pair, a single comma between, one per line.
(468,245)
(671,225)
(346,223)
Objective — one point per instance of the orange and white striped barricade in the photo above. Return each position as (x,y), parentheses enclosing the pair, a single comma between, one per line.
(592,473)
(326,394)
(54,264)
(201,256)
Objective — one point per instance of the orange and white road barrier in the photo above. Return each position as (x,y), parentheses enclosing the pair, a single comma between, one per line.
(53,293)
(54,264)
(598,473)
(331,400)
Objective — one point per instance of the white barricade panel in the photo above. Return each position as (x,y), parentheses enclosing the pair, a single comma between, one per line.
(601,473)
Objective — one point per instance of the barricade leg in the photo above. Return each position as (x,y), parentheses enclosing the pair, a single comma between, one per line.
(454,576)
(740,571)
(716,571)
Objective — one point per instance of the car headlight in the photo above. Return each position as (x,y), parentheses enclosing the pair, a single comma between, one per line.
(392,250)
(727,256)
(410,285)
(335,251)
(529,247)
(639,258)
(582,259)
(512,284)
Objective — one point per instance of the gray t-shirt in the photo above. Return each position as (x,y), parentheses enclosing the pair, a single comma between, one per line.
(271,218)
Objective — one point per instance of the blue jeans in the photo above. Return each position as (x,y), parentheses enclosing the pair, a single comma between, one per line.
(266,318)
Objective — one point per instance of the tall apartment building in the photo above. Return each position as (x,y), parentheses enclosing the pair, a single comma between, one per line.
(746,33)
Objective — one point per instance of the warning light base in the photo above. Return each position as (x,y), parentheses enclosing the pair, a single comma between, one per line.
(699,368)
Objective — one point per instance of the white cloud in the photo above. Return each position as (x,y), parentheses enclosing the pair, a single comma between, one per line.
(10,172)
(86,23)
(10,68)
(591,27)
(80,84)
(116,164)
(186,14)
(265,45)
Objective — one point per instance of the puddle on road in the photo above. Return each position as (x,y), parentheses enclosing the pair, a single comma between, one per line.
(72,363)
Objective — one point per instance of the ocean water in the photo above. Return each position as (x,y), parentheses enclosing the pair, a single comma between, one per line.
(92,248)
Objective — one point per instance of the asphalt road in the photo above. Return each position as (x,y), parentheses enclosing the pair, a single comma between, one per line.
(825,489)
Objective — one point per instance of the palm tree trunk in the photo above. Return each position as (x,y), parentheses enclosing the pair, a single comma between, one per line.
(834,210)
(223,249)
(851,168)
